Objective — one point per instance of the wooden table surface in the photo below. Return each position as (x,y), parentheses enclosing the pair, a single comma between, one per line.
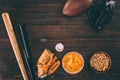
(44,19)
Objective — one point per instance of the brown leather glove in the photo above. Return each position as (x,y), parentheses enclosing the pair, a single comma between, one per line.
(74,7)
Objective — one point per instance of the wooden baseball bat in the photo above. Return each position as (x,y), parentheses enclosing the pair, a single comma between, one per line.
(14,44)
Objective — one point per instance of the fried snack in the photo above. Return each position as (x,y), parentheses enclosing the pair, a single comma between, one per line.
(54,67)
(44,57)
(41,64)
(53,60)
(72,62)
(47,64)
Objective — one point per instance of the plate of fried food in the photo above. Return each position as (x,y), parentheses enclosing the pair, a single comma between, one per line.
(47,64)
(73,62)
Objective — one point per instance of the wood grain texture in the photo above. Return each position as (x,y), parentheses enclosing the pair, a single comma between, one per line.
(44,19)
(14,43)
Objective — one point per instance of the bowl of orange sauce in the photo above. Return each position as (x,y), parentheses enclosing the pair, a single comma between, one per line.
(73,62)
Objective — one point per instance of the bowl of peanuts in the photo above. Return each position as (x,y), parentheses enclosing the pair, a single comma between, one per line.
(100,62)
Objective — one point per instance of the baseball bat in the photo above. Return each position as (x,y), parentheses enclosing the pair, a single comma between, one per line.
(13,40)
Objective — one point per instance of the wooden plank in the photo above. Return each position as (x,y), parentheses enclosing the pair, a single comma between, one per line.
(44,19)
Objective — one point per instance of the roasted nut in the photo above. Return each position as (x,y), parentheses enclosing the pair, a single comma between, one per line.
(100,61)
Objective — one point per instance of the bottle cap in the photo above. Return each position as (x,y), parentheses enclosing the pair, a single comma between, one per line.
(59,47)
